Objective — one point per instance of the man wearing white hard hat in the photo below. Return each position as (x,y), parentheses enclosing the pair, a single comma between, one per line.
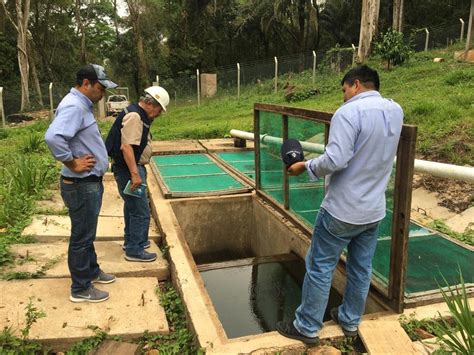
(129,145)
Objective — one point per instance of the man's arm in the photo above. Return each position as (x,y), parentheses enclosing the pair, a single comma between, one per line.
(64,127)
(129,157)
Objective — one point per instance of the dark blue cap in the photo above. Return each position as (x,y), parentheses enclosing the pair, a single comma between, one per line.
(291,152)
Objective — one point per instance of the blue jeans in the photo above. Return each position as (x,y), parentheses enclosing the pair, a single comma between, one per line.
(83,199)
(136,211)
(330,237)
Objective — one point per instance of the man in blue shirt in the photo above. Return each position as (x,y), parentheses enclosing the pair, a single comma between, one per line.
(357,163)
(75,140)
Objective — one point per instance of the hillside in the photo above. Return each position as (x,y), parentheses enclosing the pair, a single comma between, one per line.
(437,97)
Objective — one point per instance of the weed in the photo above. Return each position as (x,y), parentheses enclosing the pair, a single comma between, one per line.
(165,250)
(10,344)
(86,345)
(32,143)
(3,133)
(180,340)
(466,237)
(459,77)
(23,275)
(28,175)
(410,324)
(458,337)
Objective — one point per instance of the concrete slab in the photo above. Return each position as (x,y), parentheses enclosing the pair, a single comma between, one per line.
(175,147)
(462,221)
(52,260)
(224,145)
(112,203)
(133,308)
(426,203)
(48,229)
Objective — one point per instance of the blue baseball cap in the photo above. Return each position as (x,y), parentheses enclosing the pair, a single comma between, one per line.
(95,72)
(291,152)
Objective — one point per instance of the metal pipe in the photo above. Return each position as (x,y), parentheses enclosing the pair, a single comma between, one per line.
(450,171)
(314,69)
(462,30)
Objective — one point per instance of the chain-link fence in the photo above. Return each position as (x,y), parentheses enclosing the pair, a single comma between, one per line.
(232,79)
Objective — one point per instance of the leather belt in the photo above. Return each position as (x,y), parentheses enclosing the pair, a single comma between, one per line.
(90,178)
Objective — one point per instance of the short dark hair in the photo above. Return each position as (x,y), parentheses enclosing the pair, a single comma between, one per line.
(367,76)
(79,81)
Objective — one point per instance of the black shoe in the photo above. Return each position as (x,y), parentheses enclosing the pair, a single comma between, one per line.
(334,316)
(288,330)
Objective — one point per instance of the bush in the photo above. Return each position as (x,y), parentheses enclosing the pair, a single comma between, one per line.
(392,48)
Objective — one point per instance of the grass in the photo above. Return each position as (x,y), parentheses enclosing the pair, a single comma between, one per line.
(437,97)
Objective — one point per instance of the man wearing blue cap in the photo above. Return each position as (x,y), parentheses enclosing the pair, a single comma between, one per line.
(75,140)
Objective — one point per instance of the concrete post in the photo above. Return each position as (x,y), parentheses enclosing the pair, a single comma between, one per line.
(462,30)
(469,27)
(101,104)
(51,107)
(238,80)
(427,38)
(276,75)
(1,106)
(353,54)
(198,88)
(314,68)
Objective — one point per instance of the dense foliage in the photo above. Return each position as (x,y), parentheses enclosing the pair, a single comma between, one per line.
(139,39)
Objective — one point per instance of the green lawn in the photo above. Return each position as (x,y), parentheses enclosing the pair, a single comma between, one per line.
(437,97)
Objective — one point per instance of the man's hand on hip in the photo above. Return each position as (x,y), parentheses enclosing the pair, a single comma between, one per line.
(81,164)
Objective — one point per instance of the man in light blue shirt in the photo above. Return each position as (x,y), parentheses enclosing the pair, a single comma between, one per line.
(75,140)
(357,163)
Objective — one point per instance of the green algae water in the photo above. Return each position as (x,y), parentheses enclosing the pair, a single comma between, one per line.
(251,299)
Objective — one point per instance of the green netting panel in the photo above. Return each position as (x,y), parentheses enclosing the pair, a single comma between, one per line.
(194,173)
(186,170)
(181,159)
(271,166)
(429,256)
(305,202)
(385,228)
(206,183)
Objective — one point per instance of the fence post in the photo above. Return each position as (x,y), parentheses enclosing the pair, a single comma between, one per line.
(276,75)
(353,54)
(198,88)
(1,106)
(462,30)
(238,80)
(427,38)
(314,68)
(51,108)
(469,27)
(157,81)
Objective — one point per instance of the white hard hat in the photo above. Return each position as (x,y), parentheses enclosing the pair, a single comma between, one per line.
(160,95)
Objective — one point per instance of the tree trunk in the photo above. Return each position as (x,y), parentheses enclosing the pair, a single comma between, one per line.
(117,38)
(134,9)
(22,15)
(80,27)
(34,74)
(397,23)
(368,27)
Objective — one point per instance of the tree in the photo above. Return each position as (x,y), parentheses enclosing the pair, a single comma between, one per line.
(368,27)
(22,9)
(397,23)
(135,8)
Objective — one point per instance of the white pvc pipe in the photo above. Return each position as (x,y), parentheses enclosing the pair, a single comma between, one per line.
(465,173)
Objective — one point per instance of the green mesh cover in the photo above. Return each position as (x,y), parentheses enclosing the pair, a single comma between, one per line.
(194,173)
(429,257)
(429,253)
